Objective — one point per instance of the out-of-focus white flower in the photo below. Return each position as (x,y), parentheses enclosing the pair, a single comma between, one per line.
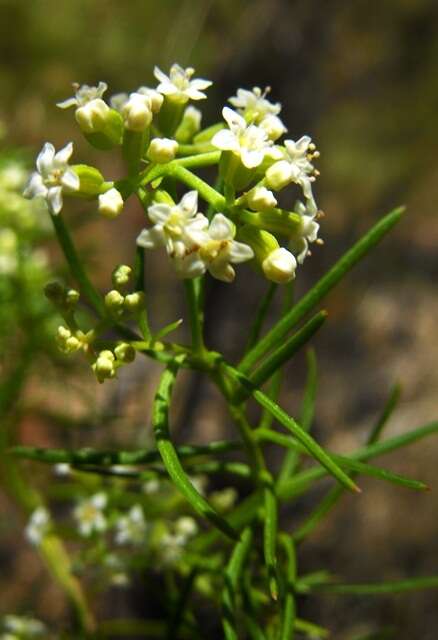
(131,529)
(217,248)
(162,150)
(111,203)
(53,176)
(179,85)
(170,225)
(38,525)
(261,199)
(186,527)
(137,112)
(151,486)
(249,142)
(279,266)
(23,627)
(89,514)
(115,565)
(308,231)
(62,469)
(12,176)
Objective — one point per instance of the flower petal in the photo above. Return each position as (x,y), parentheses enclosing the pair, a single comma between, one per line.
(45,158)
(221,228)
(70,180)
(54,198)
(159,213)
(35,187)
(63,156)
(189,203)
(225,140)
(251,158)
(240,252)
(65,104)
(160,76)
(233,119)
(151,238)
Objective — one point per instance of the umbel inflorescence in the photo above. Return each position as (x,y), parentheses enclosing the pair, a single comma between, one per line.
(201,227)
(160,135)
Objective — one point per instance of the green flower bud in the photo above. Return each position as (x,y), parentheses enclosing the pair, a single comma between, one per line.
(162,150)
(92,182)
(67,341)
(134,302)
(103,128)
(104,366)
(261,242)
(189,125)
(71,298)
(111,203)
(121,275)
(114,301)
(125,352)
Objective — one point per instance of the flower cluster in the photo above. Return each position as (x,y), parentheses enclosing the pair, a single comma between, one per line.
(160,137)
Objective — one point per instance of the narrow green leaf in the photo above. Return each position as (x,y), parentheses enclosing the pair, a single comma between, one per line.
(172,326)
(387,412)
(284,353)
(196,314)
(160,423)
(288,622)
(382,474)
(320,289)
(310,629)
(315,450)
(140,456)
(270,525)
(396,586)
(233,572)
(292,456)
(260,316)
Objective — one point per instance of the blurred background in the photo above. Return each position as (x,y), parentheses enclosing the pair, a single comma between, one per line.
(361,79)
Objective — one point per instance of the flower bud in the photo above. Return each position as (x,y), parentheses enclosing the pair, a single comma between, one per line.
(67,342)
(110,203)
(71,298)
(280,266)
(260,199)
(125,352)
(261,242)
(162,150)
(273,126)
(134,302)
(156,98)
(92,115)
(55,292)
(279,175)
(121,275)
(104,365)
(189,125)
(137,112)
(91,181)
(114,301)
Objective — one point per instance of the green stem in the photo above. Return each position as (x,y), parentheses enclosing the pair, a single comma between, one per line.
(196,314)
(76,267)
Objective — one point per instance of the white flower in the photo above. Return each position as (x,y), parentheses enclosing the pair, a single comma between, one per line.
(91,110)
(217,248)
(249,142)
(162,150)
(62,469)
(256,109)
(89,514)
(151,486)
(115,565)
(83,95)
(170,225)
(137,112)
(308,232)
(110,203)
(279,266)
(295,167)
(131,529)
(179,86)
(38,525)
(261,199)
(254,104)
(53,176)
(24,626)
(186,527)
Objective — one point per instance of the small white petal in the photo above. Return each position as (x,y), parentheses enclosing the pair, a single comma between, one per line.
(151,238)
(159,213)
(45,158)
(221,228)
(35,187)
(70,180)
(240,252)
(189,203)
(225,140)
(251,159)
(160,76)
(54,198)
(65,104)
(63,156)
(233,119)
